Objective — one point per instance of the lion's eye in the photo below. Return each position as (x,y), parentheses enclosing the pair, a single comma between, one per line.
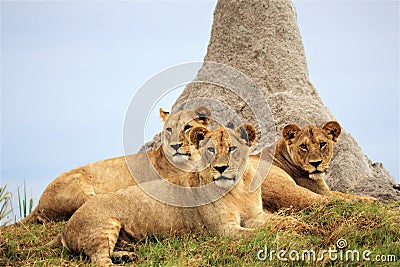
(322,144)
(303,147)
(187,127)
(232,148)
(169,130)
(211,149)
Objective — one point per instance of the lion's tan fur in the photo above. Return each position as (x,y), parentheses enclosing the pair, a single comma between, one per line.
(64,195)
(95,227)
(293,181)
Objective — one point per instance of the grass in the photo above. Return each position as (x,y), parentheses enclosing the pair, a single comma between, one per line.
(24,209)
(25,206)
(365,227)
(5,206)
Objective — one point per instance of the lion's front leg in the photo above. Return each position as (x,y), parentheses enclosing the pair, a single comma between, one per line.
(278,222)
(257,218)
(279,190)
(223,218)
(101,259)
(340,195)
(237,231)
(314,182)
(230,226)
(93,236)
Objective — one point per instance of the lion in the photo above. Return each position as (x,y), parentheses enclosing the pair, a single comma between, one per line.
(301,158)
(64,195)
(131,213)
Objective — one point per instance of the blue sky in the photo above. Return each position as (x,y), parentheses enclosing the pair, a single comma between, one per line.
(69,70)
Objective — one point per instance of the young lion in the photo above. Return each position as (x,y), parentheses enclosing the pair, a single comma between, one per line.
(302,156)
(70,190)
(230,209)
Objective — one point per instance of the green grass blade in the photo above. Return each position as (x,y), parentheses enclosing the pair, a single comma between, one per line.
(25,200)
(5,207)
(19,203)
(25,206)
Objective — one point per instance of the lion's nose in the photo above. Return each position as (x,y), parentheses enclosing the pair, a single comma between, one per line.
(221,169)
(176,146)
(316,163)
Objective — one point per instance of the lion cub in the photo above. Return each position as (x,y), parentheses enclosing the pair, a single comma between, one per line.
(221,188)
(70,190)
(296,178)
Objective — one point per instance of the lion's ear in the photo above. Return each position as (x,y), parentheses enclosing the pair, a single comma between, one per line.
(197,134)
(332,129)
(247,132)
(290,131)
(163,115)
(203,115)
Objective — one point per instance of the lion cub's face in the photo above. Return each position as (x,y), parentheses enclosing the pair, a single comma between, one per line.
(311,147)
(225,152)
(177,126)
